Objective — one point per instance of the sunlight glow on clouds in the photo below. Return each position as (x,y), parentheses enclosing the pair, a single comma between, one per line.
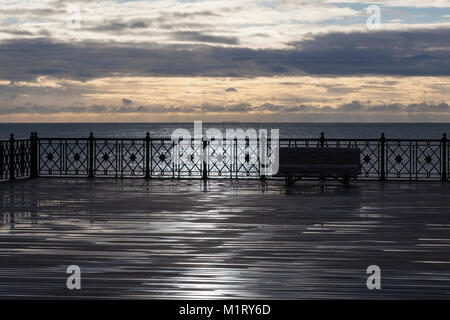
(260,98)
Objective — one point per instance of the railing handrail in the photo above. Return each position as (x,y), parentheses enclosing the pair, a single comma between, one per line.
(224,138)
(20,139)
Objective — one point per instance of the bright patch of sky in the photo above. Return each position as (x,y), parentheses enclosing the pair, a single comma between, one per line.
(395,14)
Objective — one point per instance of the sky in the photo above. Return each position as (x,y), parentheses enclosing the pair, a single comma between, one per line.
(234,60)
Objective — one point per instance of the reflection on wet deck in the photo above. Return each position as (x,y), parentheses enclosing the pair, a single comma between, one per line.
(225,239)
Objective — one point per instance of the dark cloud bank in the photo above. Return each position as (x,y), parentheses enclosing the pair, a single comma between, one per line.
(385,53)
(353,108)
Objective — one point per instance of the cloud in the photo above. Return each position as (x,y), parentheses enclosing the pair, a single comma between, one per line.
(355,107)
(389,3)
(126,101)
(204,13)
(413,53)
(16,32)
(195,36)
(351,107)
(250,23)
(30,108)
(118,26)
(359,107)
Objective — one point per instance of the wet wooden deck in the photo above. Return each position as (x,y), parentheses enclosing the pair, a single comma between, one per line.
(226,239)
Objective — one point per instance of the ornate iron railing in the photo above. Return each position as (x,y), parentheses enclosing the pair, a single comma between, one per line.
(382,159)
(15,158)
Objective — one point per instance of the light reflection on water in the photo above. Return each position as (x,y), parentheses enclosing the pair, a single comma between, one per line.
(222,239)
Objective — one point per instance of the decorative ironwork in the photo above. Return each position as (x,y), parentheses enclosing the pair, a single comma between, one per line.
(4,160)
(413,159)
(247,158)
(132,158)
(161,158)
(106,153)
(446,162)
(22,163)
(220,158)
(428,160)
(50,157)
(15,159)
(381,159)
(188,158)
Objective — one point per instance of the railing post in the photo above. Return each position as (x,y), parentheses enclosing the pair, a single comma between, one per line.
(33,155)
(322,140)
(22,159)
(382,157)
(262,147)
(236,168)
(91,155)
(147,155)
(205,165)
(36,153)
(444,157)
(12,157)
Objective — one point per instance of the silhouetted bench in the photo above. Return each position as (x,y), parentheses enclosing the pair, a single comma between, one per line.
(341,164)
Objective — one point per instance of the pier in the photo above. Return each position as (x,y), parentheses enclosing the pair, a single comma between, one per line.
(207,226)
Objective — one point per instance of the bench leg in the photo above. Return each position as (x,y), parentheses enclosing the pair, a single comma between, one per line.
(346,180)
(289,180)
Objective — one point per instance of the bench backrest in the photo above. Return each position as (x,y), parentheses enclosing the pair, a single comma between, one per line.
(319,156)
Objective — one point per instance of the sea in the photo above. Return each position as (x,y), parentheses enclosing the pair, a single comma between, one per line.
(286,130)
